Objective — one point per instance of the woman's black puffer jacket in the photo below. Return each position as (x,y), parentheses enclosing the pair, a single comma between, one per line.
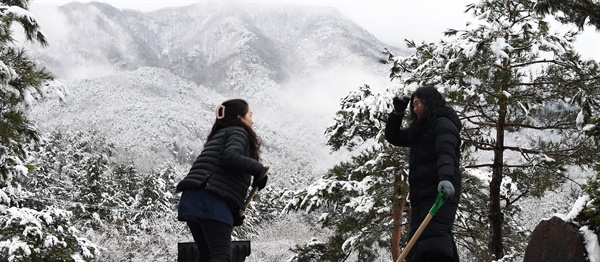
(224,167)
(434,156)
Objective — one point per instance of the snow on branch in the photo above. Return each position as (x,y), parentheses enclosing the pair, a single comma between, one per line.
(361,118)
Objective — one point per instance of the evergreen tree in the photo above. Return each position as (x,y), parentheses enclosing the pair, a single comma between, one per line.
(362,200)
(119,207)
(130,212)
(590,215)
(576,12)
(154,197)
(522,92)
(29,231)
(75,168)
(21,82)
(572,11)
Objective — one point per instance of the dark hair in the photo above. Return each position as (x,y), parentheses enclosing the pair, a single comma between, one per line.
(432,101)
(228,116)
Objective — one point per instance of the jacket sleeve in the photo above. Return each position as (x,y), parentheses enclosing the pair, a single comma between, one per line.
(234,155)
(446,142)
(393,134)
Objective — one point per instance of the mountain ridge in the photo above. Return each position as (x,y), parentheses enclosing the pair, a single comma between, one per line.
(186,40)
(150,82)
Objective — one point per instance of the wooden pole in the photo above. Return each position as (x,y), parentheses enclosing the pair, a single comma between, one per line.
(252,193)
(415,237)
(439,201)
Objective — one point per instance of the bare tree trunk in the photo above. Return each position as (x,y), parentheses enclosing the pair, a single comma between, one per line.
(496,215)
(397,211)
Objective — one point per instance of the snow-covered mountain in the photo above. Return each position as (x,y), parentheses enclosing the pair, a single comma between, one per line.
(209,42)
(151,80)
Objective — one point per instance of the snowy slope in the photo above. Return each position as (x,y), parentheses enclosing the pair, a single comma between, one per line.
(151,80)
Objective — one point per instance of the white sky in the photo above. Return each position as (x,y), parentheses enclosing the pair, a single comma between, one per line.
(390,21)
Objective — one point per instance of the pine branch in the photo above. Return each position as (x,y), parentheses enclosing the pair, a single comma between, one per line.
(522,150)
(509,203)
(479,166)
(545,61)
(557,126)
(478,146)
(482,123)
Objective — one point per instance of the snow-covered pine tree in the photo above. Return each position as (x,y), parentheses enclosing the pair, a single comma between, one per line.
(518,88)
(155,199)
(590,214)
(21,82)
(378,173)
(371,188)
(114,204)
(75,169)
(578,12)
(29,231)
(153,219)
(363,199)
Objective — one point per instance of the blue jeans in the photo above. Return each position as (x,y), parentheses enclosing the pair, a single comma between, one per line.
(213,239)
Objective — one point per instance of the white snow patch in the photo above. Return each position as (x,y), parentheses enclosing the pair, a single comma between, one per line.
(591,244)
(576,209)
(349,243)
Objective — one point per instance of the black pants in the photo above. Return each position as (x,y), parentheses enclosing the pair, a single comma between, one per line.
(213,239)
(436,243)
(435,249)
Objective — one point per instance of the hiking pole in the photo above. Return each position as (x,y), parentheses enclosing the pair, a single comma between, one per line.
(438,203)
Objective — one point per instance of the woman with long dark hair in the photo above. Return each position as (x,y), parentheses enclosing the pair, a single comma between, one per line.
(433,137)
(216,186)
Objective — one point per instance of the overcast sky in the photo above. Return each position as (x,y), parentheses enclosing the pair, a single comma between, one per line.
(391,21)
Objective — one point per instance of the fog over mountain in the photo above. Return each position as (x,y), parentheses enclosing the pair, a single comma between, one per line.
(151,81)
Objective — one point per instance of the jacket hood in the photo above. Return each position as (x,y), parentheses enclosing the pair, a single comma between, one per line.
(449,113)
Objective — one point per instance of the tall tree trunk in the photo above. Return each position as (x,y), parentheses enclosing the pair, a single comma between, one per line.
(496,215)
(397,210)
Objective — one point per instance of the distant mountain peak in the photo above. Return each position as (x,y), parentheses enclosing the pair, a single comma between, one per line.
(151,80)
(195,41)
